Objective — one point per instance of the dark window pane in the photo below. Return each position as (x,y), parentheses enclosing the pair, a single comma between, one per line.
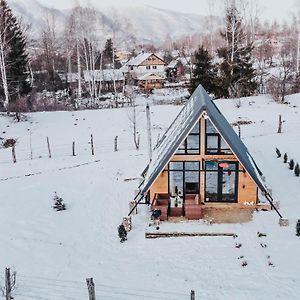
(191,182)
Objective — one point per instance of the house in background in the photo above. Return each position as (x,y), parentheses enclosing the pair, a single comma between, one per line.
(200,164)
(175,71)
(108,80)
(147,70)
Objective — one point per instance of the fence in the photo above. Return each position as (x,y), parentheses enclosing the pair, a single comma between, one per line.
(45,288)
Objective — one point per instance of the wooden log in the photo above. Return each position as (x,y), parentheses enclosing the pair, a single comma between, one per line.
(155,235)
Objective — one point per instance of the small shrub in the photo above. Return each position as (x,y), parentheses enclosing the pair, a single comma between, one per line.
(297,170)
(9,143)
(291,164)
(298,228)
(278,153)
(285,158)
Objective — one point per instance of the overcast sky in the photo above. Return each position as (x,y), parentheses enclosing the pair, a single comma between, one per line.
(270,9)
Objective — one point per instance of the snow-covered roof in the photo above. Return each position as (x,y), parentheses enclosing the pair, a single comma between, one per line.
(69,77)
(151,76)
(198,104)
(103,75)
(136,61)
(172,64)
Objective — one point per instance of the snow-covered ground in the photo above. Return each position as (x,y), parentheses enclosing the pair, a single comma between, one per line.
(54,252)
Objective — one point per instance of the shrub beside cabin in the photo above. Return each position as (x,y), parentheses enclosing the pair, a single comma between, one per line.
(200,163)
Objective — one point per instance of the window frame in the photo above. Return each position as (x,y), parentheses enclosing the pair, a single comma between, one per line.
(183,170)
(219,181)
(186,150)
(219,149)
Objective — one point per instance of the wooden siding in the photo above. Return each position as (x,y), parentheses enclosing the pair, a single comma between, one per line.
(152,60)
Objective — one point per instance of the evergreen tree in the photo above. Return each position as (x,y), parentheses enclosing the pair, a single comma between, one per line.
(236,72)
(58,203)
(108,53)
(285,158)
(278,153)
(297,170)
(291,164)
(14,59)
(204,72)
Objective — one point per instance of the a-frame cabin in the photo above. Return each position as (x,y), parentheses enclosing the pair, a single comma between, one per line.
(201,162)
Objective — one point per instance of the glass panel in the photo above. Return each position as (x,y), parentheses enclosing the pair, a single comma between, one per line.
(196,129)
(224,147)
(176,165)
(210,127)
(212,144)
(211,181)
(192,142)
(176,183)
(181,149)
(228,183)
(191,182)
(192,165)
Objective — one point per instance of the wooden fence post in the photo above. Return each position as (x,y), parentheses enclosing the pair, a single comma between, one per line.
(13,151)
(239,128)
(116,143)
(30,144)
(193,295)
(91,288)
(49,149)
(279,125)
(92,145)
(73,149)
(7,284)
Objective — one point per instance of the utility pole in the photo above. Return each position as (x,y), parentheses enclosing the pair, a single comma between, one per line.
(149,131)
(91,288)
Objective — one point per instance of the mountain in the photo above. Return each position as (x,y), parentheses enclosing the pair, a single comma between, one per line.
(146,24)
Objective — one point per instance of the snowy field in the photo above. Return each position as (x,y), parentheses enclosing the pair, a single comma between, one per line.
(54,252)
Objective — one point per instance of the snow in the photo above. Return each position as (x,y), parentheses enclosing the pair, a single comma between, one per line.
(54,252)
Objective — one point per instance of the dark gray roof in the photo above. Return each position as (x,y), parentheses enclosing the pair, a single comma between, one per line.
(198,103)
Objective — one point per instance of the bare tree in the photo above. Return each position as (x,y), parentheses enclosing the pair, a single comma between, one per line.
(132,116)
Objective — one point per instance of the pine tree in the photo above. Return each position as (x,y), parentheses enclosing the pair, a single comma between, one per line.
(236,71)
(14,58)
(108,53)
(298,228)
(285,158)
(297,170)
(58,203)
(204,72)
(291,164)
(278,153)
